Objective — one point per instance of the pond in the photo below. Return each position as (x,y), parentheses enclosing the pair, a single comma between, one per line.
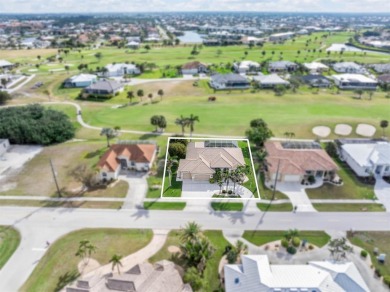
(347,48)
(191,37)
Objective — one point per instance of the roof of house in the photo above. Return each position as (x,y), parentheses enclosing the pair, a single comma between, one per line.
(281,64)
(105,85)
(119,66)
(315,65)
(314,78)
(231,77)
(5,63)
(347,65)
(385,78)
(297,161)
(257,273)
(366,154)
(247,64)
(139,153)
(270,79)
(82,78)
(193,65)
(203,160)
(353,78)
(381,68)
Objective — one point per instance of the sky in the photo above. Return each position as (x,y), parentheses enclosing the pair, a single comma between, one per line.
(58,6)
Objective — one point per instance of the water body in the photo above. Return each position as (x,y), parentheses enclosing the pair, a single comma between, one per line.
(346,48)
(191,37)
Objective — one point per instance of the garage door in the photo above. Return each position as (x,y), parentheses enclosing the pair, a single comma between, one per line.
(203,177)
(186,175)
(292,178)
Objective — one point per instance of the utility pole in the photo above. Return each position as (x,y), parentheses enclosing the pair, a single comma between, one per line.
(276,180)
(55,178)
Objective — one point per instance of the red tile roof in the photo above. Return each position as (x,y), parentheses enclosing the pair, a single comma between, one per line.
(139,153)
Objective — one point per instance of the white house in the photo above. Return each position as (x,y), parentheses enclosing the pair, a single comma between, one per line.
(366,157)
(119,157)
(316,67)
(245,67)
(270,81)
(81,80)
(281,36)
(349,67)
(257,274)
(229,81)
(4,146)
(121,69)
(354,81)
(194,67)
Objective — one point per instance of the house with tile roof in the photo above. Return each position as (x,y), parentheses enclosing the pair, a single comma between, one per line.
(119,157)
(257,274)
(298,161)
(282,66)
(229,81)
(245,67)
(270,81)
(103,88)
(194,67)
(202,160)
(80,80)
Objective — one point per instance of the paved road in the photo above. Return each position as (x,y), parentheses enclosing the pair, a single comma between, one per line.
(39,225)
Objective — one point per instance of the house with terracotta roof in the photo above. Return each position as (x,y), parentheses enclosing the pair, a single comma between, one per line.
(119,157)
(298,161)
(194,67)
(203,158)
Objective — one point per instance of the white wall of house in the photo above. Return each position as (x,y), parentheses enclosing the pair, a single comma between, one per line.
(4,146)
(108,175)
(362,171)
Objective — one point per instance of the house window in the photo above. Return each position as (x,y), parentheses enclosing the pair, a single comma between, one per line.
(132,163)
(367,170)
(387,168)
(104,174)
(237,281)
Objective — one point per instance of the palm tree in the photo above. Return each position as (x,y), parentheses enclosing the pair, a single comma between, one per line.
(130,96)
(191,122)
(85,250)
(384,124)
(182,122)
(191,232)
(170,163)
(116,262)
(140,94)
(160,93)
(109,133)
(150,95)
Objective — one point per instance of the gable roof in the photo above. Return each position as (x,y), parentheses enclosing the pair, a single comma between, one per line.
(193,65)
(226,78)
(315,65)
(281,64)
(297,161)
(82,78)
(139,153)
(364,154)
(270,79)
(106,85)
(5,63)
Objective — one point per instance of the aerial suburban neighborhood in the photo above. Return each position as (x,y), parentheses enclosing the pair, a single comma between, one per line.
(175,146)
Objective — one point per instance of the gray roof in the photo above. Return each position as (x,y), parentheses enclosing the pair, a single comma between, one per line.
(270,79)
(106,85)
(381,68)
(281,64)
(231,77)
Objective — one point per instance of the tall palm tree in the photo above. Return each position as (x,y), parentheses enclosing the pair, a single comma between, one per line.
(191,232)
(170,163)
(191,122)
(130,96)
(109,133)
(160,93)
(182,122)
(116,262)
(384,124)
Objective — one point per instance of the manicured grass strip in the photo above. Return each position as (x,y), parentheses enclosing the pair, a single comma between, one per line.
(164,205)
(318,238)
(349,207)
(53,204)
(9,241)
(52,273)
(368,240)
(285,207)
(351,189)
(153,191)
(227,206)
(175,189)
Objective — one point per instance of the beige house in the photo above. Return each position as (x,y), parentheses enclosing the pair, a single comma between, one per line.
(298,161)
(203,158)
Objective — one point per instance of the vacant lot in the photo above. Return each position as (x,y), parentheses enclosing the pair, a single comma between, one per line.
(9,242)
(51,273)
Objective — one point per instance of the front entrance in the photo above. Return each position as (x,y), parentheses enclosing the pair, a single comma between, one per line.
(123,163)
(378,169)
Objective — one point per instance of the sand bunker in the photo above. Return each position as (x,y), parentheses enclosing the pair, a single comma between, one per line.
(321,131)
(343,129)
(365,130)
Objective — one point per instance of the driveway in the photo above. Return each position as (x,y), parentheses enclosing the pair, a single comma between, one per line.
(198,189)
(138,187)
(297,195)
(382,192)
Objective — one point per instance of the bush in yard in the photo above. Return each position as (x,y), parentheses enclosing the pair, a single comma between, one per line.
(230,192)
(284,243)
(177,150)
(296,241)
(291,250)
(311,247)
(34,124)
(386,280)
(211,180)
(378,273)
(311,179)
(363,253)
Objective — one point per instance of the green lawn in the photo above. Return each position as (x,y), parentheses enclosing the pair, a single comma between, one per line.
(284,207)
(227,206)
(349,207)
(368,240)
(351,189)
(251,183)
(9,242)
(175,189)
(318,238)
(53,271)
(154,193)
(51,204)
(211,272)
(266,193)
(164,205)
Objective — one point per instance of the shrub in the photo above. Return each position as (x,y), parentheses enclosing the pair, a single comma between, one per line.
(311,247)
(386,280)
(291,250)
(296,241)
(230,192)
(378,273)
(223,191)
(284,243)
(311,179)
(363,253)
(177,150)
(211,180)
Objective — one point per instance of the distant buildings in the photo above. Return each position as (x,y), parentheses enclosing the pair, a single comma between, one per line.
(121,69)
(315,67)
(229,81)
(245,67)
(315,80)
(192,68)
(282,66)
(349,67)
(5,65)
(354,81)
(257,274)
(381,68)
(270,81)
(281,36)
